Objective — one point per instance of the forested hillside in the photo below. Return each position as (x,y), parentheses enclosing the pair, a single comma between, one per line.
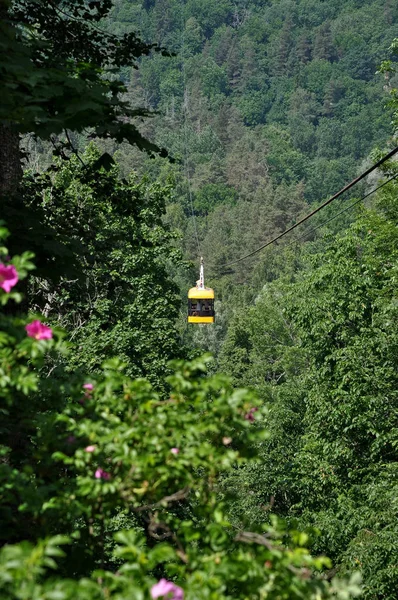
(274,104)
(136,137)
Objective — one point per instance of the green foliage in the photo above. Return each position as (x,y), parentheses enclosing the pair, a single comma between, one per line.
(121,301)
(212,195)
(388,68)
(61,73)
(322,350)
(254,108)
(111,448)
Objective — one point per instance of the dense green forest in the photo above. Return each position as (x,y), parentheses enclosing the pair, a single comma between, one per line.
(261,99)
(142,457)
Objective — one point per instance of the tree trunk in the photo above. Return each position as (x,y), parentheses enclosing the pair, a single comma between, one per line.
(10,178)
(10,162)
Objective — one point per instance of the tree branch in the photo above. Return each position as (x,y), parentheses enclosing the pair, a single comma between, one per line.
(180,495)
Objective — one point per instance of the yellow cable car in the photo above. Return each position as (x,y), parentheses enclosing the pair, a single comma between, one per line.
(201,301)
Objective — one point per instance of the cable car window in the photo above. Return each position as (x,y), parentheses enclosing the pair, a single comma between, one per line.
(201,309)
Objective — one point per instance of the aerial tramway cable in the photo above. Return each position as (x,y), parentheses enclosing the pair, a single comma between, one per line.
(321,207)
(376,189)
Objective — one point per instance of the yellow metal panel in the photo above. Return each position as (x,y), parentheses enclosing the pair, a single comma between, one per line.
(200,319)
(206,293)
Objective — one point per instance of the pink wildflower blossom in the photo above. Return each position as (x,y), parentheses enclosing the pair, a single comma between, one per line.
(167,589)
(249,416)
(8,277)
(39,331)
(175,450)
(88,389)
(90,448)
(101,474)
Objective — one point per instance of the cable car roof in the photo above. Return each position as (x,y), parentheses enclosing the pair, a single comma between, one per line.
(205,293)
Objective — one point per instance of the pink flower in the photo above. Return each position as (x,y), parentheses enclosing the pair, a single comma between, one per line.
(88,389)
(8,277)
(175,450)
(39,331)
(249,416)
(90,448)
(167,589)
(101,474)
